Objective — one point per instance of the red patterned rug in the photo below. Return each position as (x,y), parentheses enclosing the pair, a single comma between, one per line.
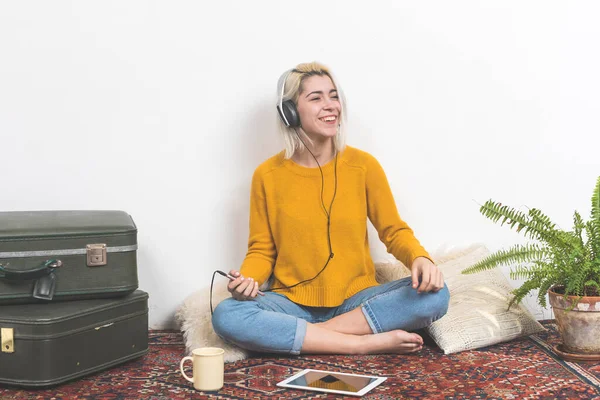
(526,368)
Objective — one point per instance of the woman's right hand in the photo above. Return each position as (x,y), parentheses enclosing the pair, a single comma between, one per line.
(241,288)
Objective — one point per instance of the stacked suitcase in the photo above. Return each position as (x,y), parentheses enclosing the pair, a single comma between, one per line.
(68,299)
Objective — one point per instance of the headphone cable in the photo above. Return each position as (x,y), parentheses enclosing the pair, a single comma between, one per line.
(327,213)
(211,290)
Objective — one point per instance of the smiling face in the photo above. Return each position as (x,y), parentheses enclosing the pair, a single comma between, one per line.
(319,107)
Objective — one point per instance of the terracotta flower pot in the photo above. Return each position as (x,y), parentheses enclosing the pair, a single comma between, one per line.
(579,327)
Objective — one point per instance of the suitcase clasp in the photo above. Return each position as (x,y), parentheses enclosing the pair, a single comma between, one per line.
(8,341)
(96,254)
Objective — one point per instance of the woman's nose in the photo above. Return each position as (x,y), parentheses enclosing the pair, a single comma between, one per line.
(328,103)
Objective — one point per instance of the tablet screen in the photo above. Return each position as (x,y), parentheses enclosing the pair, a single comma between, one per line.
(333,381)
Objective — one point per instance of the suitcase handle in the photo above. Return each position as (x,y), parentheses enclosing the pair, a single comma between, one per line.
(46,268)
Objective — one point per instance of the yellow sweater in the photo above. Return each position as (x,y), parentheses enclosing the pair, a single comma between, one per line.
(288,227)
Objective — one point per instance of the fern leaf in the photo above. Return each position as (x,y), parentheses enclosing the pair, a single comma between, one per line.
(516,254)
(494,211)
(541,219)
(537,225)
(596,215)
(523,291)
(578,226)
(593,241)
(543,290)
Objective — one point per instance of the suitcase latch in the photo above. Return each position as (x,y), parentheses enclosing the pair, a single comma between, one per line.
(96,255)
(8,341)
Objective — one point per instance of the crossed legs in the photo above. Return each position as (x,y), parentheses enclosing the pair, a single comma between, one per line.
(376,320)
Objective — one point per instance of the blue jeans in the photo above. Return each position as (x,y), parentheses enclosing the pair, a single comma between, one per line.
(273,323)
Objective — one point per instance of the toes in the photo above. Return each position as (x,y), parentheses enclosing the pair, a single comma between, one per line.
(417,338)
(410,350)
(409,345)
(409,337)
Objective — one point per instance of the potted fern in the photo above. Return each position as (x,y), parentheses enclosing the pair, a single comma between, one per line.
(565,264)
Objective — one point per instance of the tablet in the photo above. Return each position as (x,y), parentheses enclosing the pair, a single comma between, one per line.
(332,382)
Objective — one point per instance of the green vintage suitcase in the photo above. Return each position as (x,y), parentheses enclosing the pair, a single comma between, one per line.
(48,344)
(66,255)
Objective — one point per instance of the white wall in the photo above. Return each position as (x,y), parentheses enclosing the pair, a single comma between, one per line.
(163,109)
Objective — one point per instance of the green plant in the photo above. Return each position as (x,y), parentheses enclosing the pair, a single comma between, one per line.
(569,261)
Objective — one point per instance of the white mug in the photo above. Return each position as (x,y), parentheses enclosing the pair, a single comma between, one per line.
(208,368)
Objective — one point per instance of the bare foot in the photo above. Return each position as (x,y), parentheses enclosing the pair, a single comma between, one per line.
(397,342)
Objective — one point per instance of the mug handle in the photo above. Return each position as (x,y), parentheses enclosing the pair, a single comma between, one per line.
(183,360)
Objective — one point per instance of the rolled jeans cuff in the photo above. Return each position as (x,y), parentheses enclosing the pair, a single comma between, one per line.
(370,317)
(299,336)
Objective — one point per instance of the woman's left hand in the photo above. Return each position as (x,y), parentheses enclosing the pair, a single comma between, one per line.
(428,273)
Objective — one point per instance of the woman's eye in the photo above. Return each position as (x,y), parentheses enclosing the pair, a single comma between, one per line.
(314,98)
(335,97)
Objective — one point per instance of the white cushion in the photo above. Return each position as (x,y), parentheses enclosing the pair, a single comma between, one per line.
(477,315)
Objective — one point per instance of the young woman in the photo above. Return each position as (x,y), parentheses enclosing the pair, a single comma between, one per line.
(309,207)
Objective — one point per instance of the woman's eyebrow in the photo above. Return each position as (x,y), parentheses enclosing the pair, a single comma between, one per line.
(315,92)
(321,92)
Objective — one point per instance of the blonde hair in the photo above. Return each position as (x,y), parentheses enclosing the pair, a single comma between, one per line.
(292,88)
